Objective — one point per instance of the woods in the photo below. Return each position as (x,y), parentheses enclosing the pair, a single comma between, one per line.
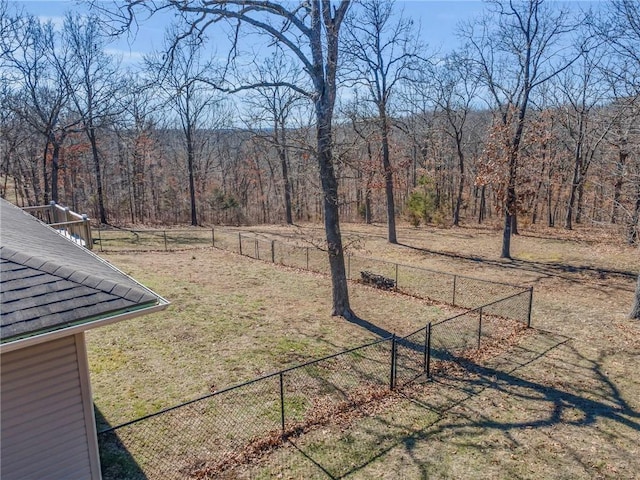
(341,115)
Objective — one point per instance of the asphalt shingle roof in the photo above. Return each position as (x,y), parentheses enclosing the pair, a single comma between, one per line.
(48,282)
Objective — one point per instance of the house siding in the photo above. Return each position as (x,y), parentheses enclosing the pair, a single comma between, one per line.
(47,424)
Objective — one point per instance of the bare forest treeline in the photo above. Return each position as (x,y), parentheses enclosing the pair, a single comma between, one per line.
(164,147)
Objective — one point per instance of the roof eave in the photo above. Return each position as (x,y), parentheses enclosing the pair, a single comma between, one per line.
(72,330)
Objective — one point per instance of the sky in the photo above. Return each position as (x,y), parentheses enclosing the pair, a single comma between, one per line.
(437,20)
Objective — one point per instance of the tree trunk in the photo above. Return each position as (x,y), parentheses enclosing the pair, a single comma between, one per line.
(572,194)
(580,202)
(287,191)
(388,179)
(368,216)
(55,166)
(45,175)
(325,86)
(367,206)
(550,219)
(456,211)
(617,187)
(633,236)
(192,185)
(635,311)
(483,204)
(536,204)
(102,213)
(506,237)
(340,292)
(510,206)
(287,184)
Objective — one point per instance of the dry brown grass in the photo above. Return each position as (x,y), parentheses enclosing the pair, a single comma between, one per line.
(564,403)
(231,319)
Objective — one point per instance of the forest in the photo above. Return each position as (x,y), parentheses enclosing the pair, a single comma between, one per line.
(536,117)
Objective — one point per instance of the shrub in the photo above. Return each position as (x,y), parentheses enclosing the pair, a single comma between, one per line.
(421,205)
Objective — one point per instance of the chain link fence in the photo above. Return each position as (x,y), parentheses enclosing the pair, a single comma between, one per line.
(205,437)
(440,287)
(244,431)
(123,240)
(225,434)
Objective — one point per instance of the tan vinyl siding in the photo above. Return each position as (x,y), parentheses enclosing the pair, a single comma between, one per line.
(44,413)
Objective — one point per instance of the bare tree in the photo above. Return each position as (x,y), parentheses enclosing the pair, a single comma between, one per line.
(455,93)
(620,29)
(380,52)
(310,32)
(583,90)
(44,96)
(94,84)
(136,131)
(516,49)
(185,82)
(273,106)
(10,24)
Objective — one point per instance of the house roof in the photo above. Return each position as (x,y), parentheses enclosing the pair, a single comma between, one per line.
(49,283)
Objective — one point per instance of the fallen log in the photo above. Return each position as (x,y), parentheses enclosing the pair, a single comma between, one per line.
(378,281)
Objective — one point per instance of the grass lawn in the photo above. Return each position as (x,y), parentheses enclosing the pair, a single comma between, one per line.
(231,319)
(564,403)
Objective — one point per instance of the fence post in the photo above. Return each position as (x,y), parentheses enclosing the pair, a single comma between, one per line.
(427,351)
(213,238)
(530,307)
(396,277)
(282,402)
(392,375)
(164,233)
(479,328)
(100,237)
(240,242)
(53,217)
(455,278)
(273,251)
(256,248)
(88,239)
(307,258)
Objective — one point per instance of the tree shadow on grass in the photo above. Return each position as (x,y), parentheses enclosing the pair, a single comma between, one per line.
(580,394)
(116,462)
(547,269)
